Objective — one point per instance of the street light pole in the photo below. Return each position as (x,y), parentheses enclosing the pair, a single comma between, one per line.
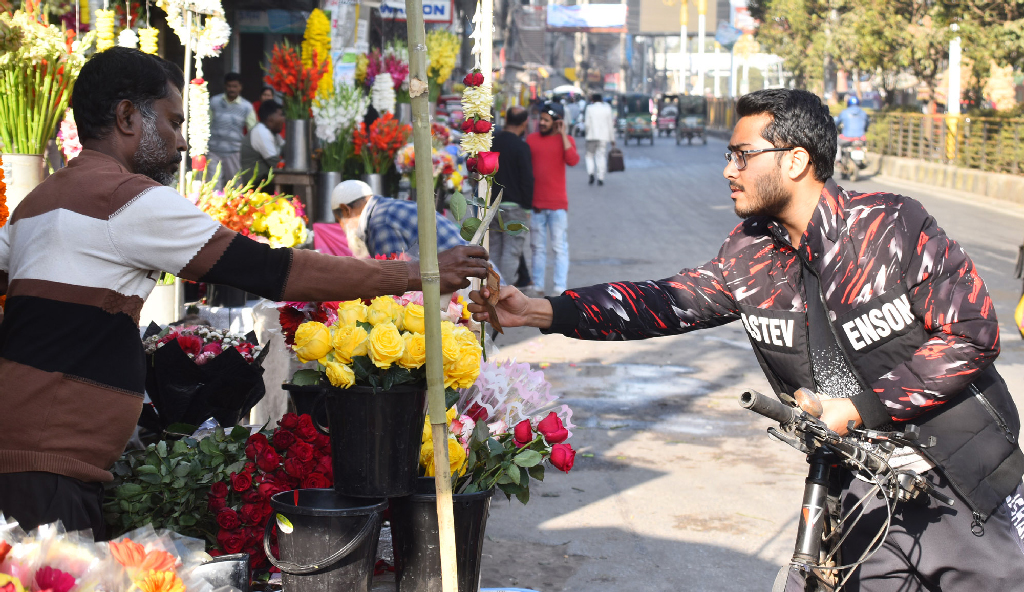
(702,9)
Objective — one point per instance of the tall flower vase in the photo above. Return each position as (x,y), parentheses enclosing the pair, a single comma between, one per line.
(26,171)
(375,183)
(297,145)
(326,182)
(415,534)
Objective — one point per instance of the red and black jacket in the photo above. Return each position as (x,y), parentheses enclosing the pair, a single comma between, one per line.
(907,306)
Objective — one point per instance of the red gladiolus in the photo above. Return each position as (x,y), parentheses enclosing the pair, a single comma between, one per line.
(487,163)
(523,433)
(228,519)
(552,429)
(241,481)
(482,126)
(563,457)
(467,126)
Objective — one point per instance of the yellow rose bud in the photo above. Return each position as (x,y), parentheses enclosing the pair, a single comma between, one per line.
(349,341)
(415,351)
(386,345)
(414,318)
(451,415)
(351,312)
(312,341)
(340,375)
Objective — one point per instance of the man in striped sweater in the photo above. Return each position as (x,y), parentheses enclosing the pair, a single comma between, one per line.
(80,255)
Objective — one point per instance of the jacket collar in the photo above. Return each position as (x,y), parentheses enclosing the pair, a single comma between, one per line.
(823,229)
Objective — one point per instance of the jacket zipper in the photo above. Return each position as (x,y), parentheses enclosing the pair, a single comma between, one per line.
(978,523)
(995,414)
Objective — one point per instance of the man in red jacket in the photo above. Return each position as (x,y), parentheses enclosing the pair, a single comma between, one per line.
(552,149)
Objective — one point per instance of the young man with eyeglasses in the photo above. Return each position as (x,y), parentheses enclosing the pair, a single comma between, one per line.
(864,298)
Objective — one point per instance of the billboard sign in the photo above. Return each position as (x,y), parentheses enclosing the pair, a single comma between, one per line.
(434,11)
(727,35)
(590,18)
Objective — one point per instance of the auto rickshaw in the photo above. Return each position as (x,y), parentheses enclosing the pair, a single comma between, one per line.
(691,119)
(668,111)
(637,110)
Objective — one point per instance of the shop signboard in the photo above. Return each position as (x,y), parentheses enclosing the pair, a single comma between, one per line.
(274,21)
(434,11)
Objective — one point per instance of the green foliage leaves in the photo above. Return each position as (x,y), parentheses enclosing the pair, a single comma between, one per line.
(496,461)
(469,228)
(306,377)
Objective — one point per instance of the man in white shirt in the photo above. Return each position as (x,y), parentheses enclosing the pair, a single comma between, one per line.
(600,124)
(261,149)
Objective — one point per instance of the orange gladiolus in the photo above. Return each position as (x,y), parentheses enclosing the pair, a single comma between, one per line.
(161,581)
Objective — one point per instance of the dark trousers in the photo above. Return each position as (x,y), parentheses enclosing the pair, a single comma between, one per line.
(41,498)
(930,546)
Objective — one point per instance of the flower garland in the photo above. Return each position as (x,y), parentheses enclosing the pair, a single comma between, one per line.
(148,40)
(128,38)
(215,33)
(67,137)
(316,44)
(4,214)
(198,122)
(476,105)
(83,10)
(382,93)
(104,30)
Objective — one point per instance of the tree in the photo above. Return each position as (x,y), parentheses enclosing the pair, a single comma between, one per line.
(793,30)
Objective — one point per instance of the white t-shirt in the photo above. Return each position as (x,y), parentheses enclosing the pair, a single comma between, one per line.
(266,142)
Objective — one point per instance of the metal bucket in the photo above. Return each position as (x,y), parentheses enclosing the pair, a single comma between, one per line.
(375,183)
(296,145)
(326,182)
(22,172)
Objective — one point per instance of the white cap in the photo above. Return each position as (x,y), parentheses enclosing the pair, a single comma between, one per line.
(349,191)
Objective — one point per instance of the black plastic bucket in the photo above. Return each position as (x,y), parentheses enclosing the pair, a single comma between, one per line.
(307,400)
(328,542)
(415,534)
(375,439)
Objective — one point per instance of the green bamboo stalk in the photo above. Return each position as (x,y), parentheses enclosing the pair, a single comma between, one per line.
(431,290)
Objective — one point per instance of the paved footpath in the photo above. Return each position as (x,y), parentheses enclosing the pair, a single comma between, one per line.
(675,487)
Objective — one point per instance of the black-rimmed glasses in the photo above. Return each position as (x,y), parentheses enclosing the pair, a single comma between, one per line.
(739,157)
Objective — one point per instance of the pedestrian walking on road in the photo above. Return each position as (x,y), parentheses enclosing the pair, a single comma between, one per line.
(515,181)
(865,299)
(230,117)
(551,149)
(600,124)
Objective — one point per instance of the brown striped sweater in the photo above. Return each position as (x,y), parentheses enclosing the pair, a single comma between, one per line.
(77,259)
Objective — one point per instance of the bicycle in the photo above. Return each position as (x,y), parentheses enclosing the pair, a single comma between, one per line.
(822,527)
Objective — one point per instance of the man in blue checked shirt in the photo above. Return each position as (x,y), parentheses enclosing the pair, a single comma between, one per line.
(386,225)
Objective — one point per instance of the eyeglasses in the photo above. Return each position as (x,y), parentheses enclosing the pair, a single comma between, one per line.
(740,156)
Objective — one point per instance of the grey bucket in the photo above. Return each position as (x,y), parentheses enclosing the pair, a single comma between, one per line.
(328,542)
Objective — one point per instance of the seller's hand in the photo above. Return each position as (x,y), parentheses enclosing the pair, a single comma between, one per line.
(459,264)
(514,308)
(837,413)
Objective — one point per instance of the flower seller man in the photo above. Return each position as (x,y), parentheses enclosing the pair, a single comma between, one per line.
(80,255)
(864,298)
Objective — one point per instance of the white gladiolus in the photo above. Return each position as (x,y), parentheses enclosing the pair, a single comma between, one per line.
(339,114)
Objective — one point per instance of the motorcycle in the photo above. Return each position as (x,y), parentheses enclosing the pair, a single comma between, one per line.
(853,158)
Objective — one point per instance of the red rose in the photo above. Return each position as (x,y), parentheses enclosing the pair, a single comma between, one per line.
(250,467)
(219,489)
(301,451)
(323,443)
(482,126)
(563,456)
(283,439)
(296,468)
(326,466)
(216,504)
(241,481)
(199,163)
(523,433)
(470,80)
(306,431)
(214,348)
(471,164)
(290,421)
(231,541)
(228,519)
(256,444)
(552,428)
(253,496)
(268,460)
(479,78)
(467,126)
(271,488)
(251,514)
(190,344)
(487,163)
(316,481)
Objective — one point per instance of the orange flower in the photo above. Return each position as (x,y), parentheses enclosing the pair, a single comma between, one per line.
(161,581)
(135,559)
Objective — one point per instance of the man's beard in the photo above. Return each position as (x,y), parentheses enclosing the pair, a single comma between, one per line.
(769,198)
(546,133)
(152,157)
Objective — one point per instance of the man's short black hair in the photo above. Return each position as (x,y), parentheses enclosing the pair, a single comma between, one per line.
(799,118)
(268,108)
(516,116)
(115,75)
(232,77)
(596,98)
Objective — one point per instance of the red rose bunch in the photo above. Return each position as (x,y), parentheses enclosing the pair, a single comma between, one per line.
(295,456)
(473,79)
(202,343)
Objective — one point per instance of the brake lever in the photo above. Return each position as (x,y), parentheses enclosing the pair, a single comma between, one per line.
(793,441)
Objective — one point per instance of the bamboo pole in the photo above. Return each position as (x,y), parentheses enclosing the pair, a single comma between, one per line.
(431,290)
(179,288)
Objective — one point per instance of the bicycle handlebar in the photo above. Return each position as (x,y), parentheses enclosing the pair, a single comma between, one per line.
(769,407)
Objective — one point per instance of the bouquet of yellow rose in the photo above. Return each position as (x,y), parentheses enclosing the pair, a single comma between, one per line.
(381,345)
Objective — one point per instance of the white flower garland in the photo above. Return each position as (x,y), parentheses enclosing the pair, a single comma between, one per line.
(198,117)
(128,38)
(215,33)
(382,93)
